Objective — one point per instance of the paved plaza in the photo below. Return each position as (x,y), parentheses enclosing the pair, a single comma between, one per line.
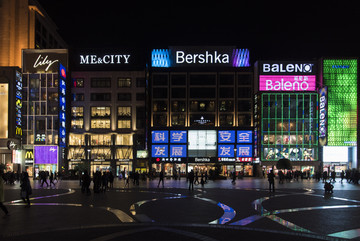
(218,211)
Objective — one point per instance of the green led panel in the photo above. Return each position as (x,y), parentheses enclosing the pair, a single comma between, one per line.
(340,75)
(289,126)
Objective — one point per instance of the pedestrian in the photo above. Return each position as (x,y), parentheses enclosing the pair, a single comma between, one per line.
(342,175)
(161,179)
(328,187)
(191,179)
(202,180)
(126,179)
(271,179)
(51,179)
(196,180)
(111,180)
(43,178)
(233,178)
(26,190)
(333,176)
(2,195)
(86,180)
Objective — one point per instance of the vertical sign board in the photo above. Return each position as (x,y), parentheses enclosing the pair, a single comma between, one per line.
(322,115)
(62,106)
(18,103)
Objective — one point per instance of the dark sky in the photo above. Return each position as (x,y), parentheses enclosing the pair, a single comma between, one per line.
(270,29)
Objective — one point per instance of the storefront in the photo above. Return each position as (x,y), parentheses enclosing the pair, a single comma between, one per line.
(288,114)
(45,159)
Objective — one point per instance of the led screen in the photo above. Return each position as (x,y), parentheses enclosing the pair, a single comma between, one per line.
(226,136)
(178,137)
(177,150)
(4,106)
(160,136)
(287,83)
(45,154)
(226,151)
(244,151)
(202,143)
(244,136)
(335,154)
(159,151)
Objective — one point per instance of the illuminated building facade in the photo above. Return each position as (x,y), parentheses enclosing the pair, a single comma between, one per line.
(287,113)
(11,101)
(108,111)
(44,109)
(25,25)
(201,109)
(340,135)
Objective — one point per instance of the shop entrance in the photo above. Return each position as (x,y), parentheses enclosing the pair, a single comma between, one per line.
(201,168)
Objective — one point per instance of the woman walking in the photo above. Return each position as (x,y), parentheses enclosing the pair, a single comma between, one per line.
(26,190)
(2,196)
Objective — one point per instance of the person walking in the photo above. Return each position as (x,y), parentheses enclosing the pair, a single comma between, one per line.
(43,178)
(271,179)
(2,195)
(26,190)
(52,179)
(234,177)
(161,179)
(86,180)
(191,179)
(342,175)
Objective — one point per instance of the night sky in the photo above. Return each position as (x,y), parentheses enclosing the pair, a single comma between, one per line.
(271,30)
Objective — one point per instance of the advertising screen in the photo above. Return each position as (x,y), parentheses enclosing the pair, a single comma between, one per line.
(202,143)
(335,154)
(177,150)
(244,151)
(226,151)
(62,106)
(160,136)
(226,136)
(4,106)
(45,154)
(244,136)
(178,137)
(159,151)
(287,83)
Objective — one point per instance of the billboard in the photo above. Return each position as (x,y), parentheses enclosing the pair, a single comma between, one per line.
(45,154)
(287,82)
(322,115)
(287,68)
(62,105)
(4,110)
(200,56)
(43,60)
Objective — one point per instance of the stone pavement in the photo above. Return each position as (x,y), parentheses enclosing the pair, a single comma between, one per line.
(218,211)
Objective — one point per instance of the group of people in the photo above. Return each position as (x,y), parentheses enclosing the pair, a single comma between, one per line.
(25,190)
(44,175)
(102,181)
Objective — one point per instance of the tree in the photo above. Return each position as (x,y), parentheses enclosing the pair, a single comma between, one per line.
(284,164)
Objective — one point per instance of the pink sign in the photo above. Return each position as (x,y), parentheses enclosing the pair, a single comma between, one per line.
(287,83)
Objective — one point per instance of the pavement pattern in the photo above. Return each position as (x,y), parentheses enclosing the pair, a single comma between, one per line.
(219,210)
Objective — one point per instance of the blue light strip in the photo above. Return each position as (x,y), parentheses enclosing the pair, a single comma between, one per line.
(241,58)
(160,58)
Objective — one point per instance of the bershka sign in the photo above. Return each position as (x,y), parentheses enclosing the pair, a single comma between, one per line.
(43,60)
(287,68)
(200,56)
(93,59)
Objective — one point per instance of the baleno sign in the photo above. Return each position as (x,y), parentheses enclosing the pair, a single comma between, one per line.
(287,67)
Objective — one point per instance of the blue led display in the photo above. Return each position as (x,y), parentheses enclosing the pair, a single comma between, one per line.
(244,151)
(178,151)
(159,150)
(62,106)
(160,136)
(178,137)
(226,136)
(244,136)
(225,150)
(160,58)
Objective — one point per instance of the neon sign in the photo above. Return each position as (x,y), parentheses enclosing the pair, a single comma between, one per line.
(62,106)
(287,83)
(18,104)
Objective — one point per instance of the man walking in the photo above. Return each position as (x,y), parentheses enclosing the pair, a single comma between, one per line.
(191,179)
(161,179)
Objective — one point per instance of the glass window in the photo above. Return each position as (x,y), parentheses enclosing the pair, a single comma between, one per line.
(226,120)
(124,96)
(100,111)
(124,153)
(76,153)
(124,82)
(76,139)
(244,79)
(160,93)
(178,93)
(203,79)
(100,124)
(100,97)
(244,92)
(226,92)
(244,105)
(100,153)
(159,106)
(160,79)
(100,82)
(124,124)
(178,106)
(159,120)
(178,119)
(202,92)
(244,120)
(226,79)
(124,139)
(140,82)
(202,106)
(124,111)
(78,83)
(78,97)
(226,105)
(100,140)
(178,79)
(77,111)
(77,124)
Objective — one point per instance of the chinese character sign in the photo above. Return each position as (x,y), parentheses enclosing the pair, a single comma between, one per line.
(177,150)
(244,151)
(159,151)
(226,136)
(160,136)
(62,105)
(178,137)
(225,150)
(244,136)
